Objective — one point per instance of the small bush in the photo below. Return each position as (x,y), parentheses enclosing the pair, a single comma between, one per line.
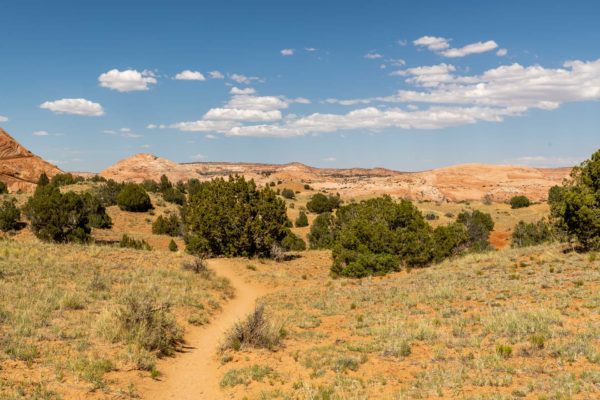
(133,198)
(531,234)
(58,217)
(65,179)
(148,323)
(288,194)
(302,220)
(255,331)
(3,188)
(307,187)
(108,192)
(431,216)
(9,216)
(519,202)
(43,180)
(150,185)
(197,266)
(321,232)
(98,218)
(479,225)
(170,225)
(320,203)
(173,195)
(504,350)
(293,243)
(172,246)
(129,242)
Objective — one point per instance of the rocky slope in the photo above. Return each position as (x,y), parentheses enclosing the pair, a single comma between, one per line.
(456,183)
(20,168)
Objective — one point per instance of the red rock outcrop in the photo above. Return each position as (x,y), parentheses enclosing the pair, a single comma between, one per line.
(20,168)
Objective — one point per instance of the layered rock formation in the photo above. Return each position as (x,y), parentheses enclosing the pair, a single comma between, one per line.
(20,168)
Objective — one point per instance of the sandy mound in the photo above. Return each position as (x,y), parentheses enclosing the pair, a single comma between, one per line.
(20,168)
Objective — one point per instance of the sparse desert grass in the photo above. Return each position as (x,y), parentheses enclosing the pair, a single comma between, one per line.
(515,323)
(73,318)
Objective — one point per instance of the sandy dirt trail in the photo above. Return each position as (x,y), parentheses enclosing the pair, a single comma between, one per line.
(194,374)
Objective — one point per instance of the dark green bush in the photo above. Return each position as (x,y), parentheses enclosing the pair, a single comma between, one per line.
(192,186)
(164,184)
(107,193)
(293,243)
(234,218)
(450,240)
(150,186)
(531,234)
(65,179)
(58,217)
(479,225)
(307,187)
(9,216)
(170,225)
(96,179)
(43,180)
(3,188)
(133,198)
(431,216)
(302,220)
(172,246)
(98,218)
(173,195)
(320,203)
(321,232)
(288,194)
(575,207)
(129,242)
(519,202)
(378,236)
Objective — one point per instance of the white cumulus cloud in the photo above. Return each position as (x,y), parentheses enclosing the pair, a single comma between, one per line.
(74,106)
(3,118)
(473,48)
(127,81)
(501,52)
(287,52)
(188,75)
(236,90)
(432,43)
(236,114)
(216,75)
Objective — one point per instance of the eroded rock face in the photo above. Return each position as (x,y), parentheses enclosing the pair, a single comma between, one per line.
(20,168)
(455,183)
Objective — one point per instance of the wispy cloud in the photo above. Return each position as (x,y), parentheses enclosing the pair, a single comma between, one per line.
(441,46)
(287,52)
(188,75)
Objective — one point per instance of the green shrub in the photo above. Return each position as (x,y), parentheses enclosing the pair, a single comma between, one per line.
(164,184)
(107,193)
(58,217)
(293,243)
(43,180)
(98,218)
(431,216)
(173,195)
(234,218)
(479,225)
(321,232)
(320,203)
(378,236)
(307,187)
(3,188)
(65,179)
(302,220)
(150,186)
(192,186)
(450,240)
(575,207)
(531,234)
(133,198)
(172,246)
(170,225)
(504,350)
(9,216)
(96,179)
(288,194)
(519,202)
(129,242)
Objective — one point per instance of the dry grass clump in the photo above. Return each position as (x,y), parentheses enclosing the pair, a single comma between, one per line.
(255,331)
(70,314)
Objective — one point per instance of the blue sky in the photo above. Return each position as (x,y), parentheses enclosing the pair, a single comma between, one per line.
(400,84)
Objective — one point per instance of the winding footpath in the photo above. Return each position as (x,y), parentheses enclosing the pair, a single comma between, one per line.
(194,374)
